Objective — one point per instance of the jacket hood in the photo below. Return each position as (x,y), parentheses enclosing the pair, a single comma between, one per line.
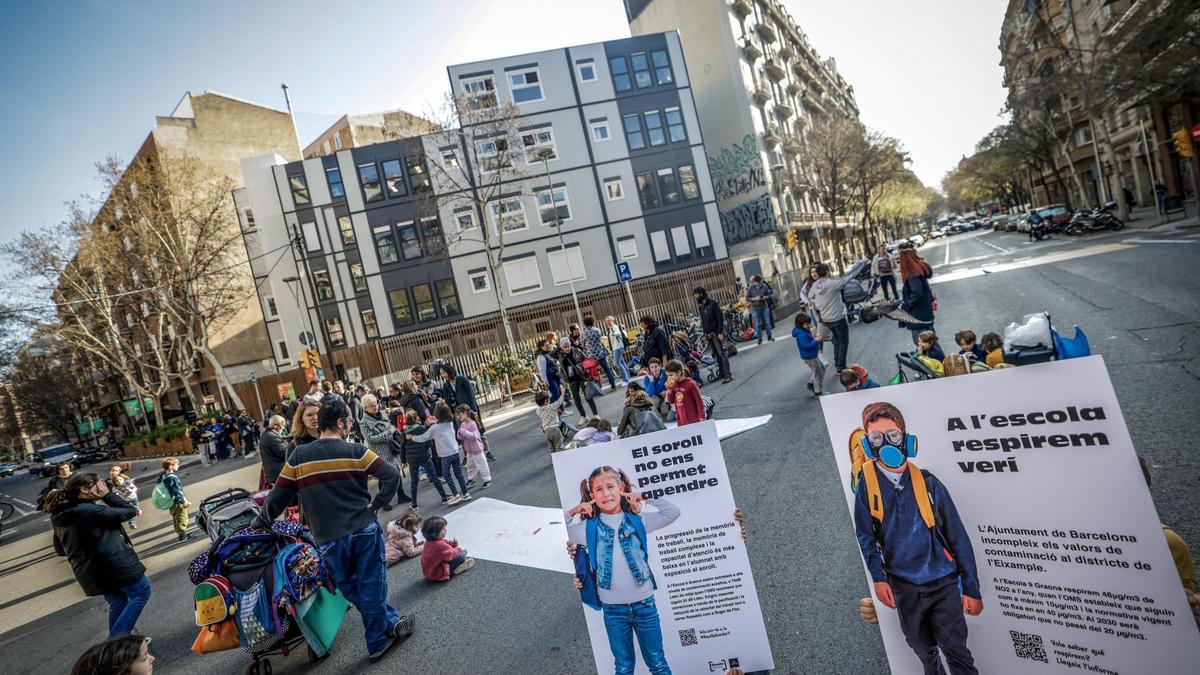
(642,405)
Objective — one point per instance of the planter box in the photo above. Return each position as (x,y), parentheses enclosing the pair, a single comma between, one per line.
(160,448)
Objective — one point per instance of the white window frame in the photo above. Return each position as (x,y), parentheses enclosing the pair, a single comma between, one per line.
(554,203)
(568,259)
(449,159)
(620,189)
(661,253)
(532,150)
(285,356)
(580,65)
(514,87)
(508,281)
(679,237)
(700,235)
(470,214)
(494,209)
(487,281)
(602,124)
(270,307)
(473,95)
(485,157)
(374,319)
(627,255)
(248,215)
(337,140)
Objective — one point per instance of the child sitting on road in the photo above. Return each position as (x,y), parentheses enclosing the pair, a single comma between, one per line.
(402,538)
(855,377)
(810,351)
(965,339)
(468,434)
(597,430)
(993,346)
(441,557)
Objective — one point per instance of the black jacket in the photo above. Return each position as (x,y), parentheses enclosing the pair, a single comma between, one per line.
(917,299)
(572,365)
(415,452)
(90,535)
(415,402)
(461,392)
(712,319)
(274,452)
(656,346)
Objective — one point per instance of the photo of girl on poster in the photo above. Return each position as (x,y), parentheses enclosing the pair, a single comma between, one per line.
(610,528)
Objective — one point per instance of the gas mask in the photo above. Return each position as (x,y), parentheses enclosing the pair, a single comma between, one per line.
(892,447)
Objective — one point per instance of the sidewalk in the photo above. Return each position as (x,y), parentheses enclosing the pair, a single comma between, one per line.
(1147,218)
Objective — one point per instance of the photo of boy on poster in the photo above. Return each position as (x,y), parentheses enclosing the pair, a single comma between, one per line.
(610,530)
(914,543)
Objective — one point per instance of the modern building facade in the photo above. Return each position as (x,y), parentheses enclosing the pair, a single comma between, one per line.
(389,266)
(352,131)
(758,86)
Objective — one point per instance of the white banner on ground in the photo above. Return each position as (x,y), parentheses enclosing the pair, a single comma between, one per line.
(531,536)
(1030,497)
(663,553)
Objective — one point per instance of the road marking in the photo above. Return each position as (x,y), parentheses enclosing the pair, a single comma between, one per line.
(1030,262)
(14,500)
(1160,241)
(998,248)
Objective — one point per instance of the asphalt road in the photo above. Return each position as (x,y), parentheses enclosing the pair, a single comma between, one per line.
(1134,292)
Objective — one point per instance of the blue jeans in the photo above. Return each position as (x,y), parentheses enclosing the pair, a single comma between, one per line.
(612,381)
(555,386)
(453,462)
(619,357)
(414,477)
(125,606)
(762,321)
(621,622)
(358,564)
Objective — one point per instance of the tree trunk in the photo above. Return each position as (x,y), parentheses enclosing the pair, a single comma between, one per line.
(1105,141)
(221,373)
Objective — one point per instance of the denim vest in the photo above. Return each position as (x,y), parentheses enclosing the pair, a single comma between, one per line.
(632,547)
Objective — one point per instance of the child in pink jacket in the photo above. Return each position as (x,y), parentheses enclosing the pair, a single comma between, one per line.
(402,538)
(468,435)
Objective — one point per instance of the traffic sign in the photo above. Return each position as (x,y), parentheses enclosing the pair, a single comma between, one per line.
(624,274)
(306,338)
(253,378)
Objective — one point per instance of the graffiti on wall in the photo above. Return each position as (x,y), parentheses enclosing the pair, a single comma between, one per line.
(737,169)
(748,220)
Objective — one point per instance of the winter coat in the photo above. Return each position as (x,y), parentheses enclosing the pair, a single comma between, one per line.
(917,299)
(273,450)
(655,387)
(436,557)
(401,544)
(639,418)
(808,345)
(685,396)
(415,452)
(415,402)
(90,535)
(656,346)
(468,434)
(712,319)
(460,391)
(547,366)
(377,431)
(572,363)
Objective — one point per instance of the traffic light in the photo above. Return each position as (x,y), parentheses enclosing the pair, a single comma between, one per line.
(314,358)
(305,362)
(791,239)
(1183,143)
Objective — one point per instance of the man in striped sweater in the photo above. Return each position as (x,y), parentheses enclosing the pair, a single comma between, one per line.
(330,476)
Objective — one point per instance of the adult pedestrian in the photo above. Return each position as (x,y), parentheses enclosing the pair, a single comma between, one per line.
(826,294)
(270,412)
(917,297)
(593,348)
(273,451)
(423,382)
(572,368)
(202,440)
(378,432)
(758,295)
(58,481)
(304,424)
(412,398)
(547,365)
(655,343)
(712,322)
(881,269)
(809,306)
(87,519)
(248,429)
(618,341)
(342,516)
(457,390)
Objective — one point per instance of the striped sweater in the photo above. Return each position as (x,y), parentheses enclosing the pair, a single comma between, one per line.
(330,476)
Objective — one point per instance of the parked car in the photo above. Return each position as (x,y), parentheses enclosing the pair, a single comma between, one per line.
(47,459)
(1012,224)
(90,453)
(917,240)
(7,469)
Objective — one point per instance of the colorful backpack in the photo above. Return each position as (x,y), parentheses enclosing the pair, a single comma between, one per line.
(257,626)
(214,601)
(299,574)
(161,497)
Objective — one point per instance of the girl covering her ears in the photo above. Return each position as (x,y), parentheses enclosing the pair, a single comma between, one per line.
(611,522)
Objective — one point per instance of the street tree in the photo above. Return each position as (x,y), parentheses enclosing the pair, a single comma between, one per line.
(52,386)
(882,161)
(830,154)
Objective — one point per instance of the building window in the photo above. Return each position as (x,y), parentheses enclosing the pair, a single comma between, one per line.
(508,214)
(700,236)
(537,142)
(633,132)
(347,230)
(272,308)
(282,347)
(385,245)
(687,182)
(675,127)
(333,176)
(325,147)
(312,240)
(493,154)
(358,279)
(479,281)
(614,189)
(526,86)
(368,177)
(449,159)
(567,265)
(370,325)
(337,141)
(654,128)
(1083,137)
(627,248)
(600,131)
(447,297)
(679,236)
(586,70)
(299,189)
(423,295)
(337,338)
(402,314)
(410,245)
(480,92)
(465,220)
(248,214)
(620,73)
(553,205)
(647,191)
(522,275)
(393,177)
(668,186)
(641,69)
(418,173)
(324,286)
(658,242)
(433,240)
(662,67)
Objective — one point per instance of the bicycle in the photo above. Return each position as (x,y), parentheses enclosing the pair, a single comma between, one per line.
(6,512)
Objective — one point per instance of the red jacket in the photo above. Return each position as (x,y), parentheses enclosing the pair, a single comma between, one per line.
(436,557)
(685,396)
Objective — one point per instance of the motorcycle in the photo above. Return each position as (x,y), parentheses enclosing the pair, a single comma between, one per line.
(1100,218)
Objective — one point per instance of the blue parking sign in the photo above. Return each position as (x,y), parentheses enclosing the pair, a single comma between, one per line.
(623,272)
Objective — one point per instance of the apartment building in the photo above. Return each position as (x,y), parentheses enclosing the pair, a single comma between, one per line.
(352,131)
(758,86)
(604,163)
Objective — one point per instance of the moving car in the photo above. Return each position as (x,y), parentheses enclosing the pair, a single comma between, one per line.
(917,239)
(47,459)
(7,469)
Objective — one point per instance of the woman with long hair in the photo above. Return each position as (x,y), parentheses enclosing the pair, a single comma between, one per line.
(304,423)
(916,296)
(87,520)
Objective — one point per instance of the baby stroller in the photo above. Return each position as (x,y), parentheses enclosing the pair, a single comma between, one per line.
(688,352)
(859,291)
(225,512)
(910,369)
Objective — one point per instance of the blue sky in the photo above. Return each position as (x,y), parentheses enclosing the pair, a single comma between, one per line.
(84,79)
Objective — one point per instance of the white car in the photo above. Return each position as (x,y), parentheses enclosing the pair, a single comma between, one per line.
(917,240)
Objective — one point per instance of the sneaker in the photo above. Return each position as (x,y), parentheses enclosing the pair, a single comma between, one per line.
(402,629)
(810,386)
(465,497)
(185,537)
(466,565)
(424,477)
(133,526)
(452,500)
(489,455)
(583,420)
(727,379)
(387,507)
(486,484)
(445,501)
(414,507)
(471,483)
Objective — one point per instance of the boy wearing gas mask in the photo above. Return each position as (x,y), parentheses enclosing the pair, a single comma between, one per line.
(914,544)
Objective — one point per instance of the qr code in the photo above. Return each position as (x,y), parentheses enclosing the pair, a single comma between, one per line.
(687,637)
(1028,646)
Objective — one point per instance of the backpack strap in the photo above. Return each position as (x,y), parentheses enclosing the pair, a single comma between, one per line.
(874,500)
(921,494)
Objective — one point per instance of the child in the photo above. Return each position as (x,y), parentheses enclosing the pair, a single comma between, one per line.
(468,433)
(549,417)
(402,538)
(179,507)
(444,439)
(683,393)
(810,350)
(993,346)
(927,345)
(655,384)
(855,377)
(639,416)
(965,339)
(597,430)
(441,557)
(123,487)
(914,544)
(417,456)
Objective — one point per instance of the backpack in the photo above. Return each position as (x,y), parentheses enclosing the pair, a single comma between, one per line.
(257,627)
(298,575)
(213,600)
(586,573)
(161,497)
(925,504)
(647,421)
(227,519)
(884,264)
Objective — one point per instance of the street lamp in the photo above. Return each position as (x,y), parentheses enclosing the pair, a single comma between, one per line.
(545,154)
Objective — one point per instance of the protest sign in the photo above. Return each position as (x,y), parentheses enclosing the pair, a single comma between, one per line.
(1029,498)
(659,554)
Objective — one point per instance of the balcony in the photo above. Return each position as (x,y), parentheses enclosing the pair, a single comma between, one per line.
(742,8)
(751,49)
(767,31)
(792,144)
(810,101)
(793,87)
(784,109)
(801,69)
(786,52)
(771,136)
(782,177)
(774,70)
(760,94)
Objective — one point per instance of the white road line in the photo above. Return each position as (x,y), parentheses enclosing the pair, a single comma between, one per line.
(1030,262)
(1160,241)
(998,248)
(947,260)
(22,502)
